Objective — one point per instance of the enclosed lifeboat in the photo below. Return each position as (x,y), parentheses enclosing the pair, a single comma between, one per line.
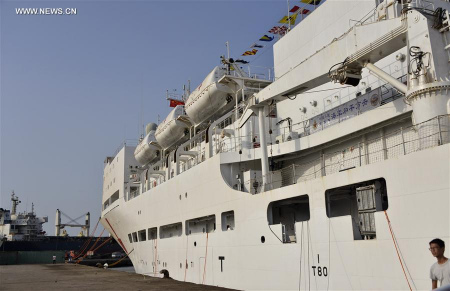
(210,99)
(173,129)
(148,150)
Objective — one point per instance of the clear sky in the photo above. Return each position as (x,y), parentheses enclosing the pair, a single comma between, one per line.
(71,86)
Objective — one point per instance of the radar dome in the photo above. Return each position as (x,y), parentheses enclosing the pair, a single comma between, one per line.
(150,127)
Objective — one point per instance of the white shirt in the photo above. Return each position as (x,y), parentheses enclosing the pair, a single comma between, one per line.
(441,273)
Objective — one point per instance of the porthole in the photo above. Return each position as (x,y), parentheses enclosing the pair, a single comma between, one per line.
(263,239)
(185,195)
(195,243)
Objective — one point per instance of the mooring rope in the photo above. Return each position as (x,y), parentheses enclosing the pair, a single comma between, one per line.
(206,256)
(396,248)
(115,263)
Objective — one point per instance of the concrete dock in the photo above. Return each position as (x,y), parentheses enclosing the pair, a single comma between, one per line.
(79,277)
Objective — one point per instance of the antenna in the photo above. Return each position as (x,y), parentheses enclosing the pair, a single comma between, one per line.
(289,16)
(189,87)
(142,106)
(228,49)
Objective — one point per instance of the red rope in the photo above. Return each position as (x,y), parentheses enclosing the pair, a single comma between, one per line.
(87,242)
(92,246)
(206,256)
(396,249)
(110,238)
(115,263)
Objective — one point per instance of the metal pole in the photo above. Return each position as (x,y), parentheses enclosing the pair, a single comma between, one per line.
(403,141)
(322,164)
(289,16)
(388,78)
(228,50)
(441,142)
(293,174)
(366,150)
(263,146)
(359,150)
(383,142)
(236,108)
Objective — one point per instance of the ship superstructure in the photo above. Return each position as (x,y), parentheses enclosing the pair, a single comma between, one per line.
(16,225)
(333,175)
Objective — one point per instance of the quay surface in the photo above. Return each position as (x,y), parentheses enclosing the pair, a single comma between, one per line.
(79,277)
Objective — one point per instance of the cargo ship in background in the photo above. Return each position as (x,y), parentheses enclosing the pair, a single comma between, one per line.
(23,240)
(332,172)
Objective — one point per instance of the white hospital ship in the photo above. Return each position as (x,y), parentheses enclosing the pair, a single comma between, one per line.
(331,174)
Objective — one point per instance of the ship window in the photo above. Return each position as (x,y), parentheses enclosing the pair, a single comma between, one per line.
(360,201)
(130,238)
(283,216)
(200,225)
(115,196)
(152,233)
(135,237)
(142,235)
(227,220)
(170,230)
(134,192)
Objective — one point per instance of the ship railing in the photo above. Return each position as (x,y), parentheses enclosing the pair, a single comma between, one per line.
(124,143)
(196,143)
(403,141)
(371,17)
(228,121)
(423,4)
(254,72)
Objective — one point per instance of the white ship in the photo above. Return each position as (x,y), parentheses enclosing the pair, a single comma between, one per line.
(333,175)
(20,226)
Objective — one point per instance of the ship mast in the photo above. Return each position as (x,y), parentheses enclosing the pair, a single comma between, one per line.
(15,201)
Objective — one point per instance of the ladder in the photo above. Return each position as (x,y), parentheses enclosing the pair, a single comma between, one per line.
(445,30)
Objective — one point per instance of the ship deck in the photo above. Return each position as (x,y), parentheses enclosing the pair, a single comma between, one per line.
(78,277)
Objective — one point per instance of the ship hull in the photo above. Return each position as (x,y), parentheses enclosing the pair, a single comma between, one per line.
(325,255)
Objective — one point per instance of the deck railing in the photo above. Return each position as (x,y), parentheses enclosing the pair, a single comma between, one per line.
(403,141)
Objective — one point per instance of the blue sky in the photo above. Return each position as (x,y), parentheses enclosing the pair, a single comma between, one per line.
(71,85)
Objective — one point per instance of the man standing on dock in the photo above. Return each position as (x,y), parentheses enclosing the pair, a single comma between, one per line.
(54,259)
(439,271)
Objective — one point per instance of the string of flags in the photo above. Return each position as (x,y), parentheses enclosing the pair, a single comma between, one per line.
(266,38)
(280,30)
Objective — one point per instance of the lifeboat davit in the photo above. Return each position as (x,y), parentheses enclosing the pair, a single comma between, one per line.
(173,129)
(148,150)
(210,99)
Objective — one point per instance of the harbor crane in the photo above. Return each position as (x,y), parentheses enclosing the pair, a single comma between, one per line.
(72,223)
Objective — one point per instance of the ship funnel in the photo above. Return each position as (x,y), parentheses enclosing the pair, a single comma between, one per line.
(150,127)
